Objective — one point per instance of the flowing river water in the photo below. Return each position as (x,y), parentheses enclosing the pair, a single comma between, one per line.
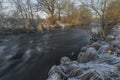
(30,56)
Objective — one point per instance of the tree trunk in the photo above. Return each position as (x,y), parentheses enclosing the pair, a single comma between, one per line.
(59,10)
(52,18)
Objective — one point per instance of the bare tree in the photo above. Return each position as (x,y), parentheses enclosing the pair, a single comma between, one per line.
(69,10)
(1,8)
(98,6)
(60,7)
(48,6)
(113,12)
(24,9)
(2,13)
(85,15)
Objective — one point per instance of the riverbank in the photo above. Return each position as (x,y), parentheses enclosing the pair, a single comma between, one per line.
(98,61)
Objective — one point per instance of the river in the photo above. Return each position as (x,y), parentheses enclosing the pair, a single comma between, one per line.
(30,56)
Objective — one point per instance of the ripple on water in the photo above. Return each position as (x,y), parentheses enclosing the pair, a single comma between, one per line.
(2,49)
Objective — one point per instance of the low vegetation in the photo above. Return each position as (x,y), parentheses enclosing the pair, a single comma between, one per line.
(28,14)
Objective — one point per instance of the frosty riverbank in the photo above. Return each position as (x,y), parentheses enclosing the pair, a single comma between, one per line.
(98,61)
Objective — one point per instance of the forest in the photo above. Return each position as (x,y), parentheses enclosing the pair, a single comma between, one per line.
(47,14)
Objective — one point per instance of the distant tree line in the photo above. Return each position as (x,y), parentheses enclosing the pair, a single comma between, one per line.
(106,11)
(27,13)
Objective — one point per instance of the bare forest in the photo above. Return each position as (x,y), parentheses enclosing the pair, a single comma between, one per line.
(47,14)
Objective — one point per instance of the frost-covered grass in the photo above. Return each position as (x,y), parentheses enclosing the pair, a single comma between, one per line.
(98,61)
